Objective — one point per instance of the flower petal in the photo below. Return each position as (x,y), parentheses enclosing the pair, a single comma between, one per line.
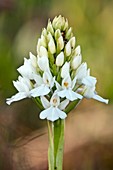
(38,79)
(43,63)
(48,79)
(89,92)
(43,52)
(63,104)
(52,114)
(99,98)
(69,94)
(66,82)
(55,100)
(65,70)
(44,114)
(81,72)
(73,82)
(27,70)
(89,81)
(40,91)
(45,102)
(16,97)
(62,93)
(58,86)
(60,113)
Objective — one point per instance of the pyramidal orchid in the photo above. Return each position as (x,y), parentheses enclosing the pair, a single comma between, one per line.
(57,80)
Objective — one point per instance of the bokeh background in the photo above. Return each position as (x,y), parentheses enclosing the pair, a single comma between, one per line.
(89,129)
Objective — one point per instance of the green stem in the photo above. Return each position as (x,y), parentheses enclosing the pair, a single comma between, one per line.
(58,164)
(51,146)
(56,144)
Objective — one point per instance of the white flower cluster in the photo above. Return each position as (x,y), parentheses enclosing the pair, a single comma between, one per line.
(55,77)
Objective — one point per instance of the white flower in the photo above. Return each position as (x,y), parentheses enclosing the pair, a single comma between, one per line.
(89,89)
(66,90)
(89,92)
(81,72)
(43,85)
(77,58)
(60,59)
(53,109)
(89,81)
(23,85)
(29,68)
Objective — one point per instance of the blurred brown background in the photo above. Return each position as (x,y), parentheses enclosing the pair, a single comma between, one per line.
(89,129)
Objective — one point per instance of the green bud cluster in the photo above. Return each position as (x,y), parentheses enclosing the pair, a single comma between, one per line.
(57,43)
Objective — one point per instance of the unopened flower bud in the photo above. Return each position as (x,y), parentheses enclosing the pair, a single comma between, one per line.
(33,59)
(60,43)
(44,32)
(51,46)
(58,22)
(72,42)
(43,63)
(43,41)
(57,34)
(65,70)
(65,25)
(76,62)
(60,59)
(54,21)
(69,33)
(38,45)
(49,36)
(78,58)
(50,27)
(43,52)
(68,48)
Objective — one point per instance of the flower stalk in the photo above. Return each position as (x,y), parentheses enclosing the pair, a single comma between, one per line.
(56,144)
